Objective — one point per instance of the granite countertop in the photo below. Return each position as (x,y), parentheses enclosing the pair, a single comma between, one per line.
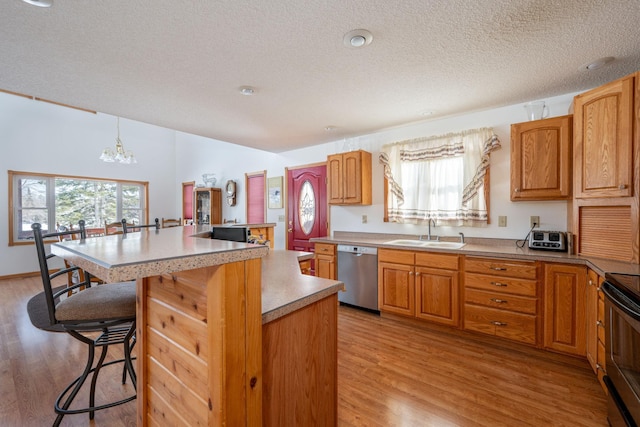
(285,289)
(152,252)
(495,248)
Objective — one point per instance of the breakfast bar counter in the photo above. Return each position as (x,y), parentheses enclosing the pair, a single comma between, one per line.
(228,333)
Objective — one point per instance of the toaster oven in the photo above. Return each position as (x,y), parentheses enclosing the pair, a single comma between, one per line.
(548,240)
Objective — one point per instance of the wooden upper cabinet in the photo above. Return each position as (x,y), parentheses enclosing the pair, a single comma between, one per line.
(603,120)
(541,159)
(349,178)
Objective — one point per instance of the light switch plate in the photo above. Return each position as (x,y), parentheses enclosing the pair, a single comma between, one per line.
(502,221)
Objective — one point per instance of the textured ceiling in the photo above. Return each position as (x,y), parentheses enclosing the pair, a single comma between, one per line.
(179,63)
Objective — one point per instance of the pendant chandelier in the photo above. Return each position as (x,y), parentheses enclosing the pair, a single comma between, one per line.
(119,155)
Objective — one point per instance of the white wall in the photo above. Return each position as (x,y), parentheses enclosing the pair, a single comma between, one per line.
(36,136)
(229,161)
(47,138)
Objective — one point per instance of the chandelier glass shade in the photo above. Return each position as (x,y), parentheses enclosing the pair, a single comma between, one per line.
(119,155)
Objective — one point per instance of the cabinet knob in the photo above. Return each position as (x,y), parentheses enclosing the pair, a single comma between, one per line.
(622,186)
(599,367)
(600,324)
(417,274)
(411,273)
(590,282)
(517,190)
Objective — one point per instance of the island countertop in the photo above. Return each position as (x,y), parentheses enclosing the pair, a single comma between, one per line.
(148,253)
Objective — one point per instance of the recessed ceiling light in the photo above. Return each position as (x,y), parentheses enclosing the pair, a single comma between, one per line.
(247,90)
(39,3)
(598,63)
(357,38)
(330,128)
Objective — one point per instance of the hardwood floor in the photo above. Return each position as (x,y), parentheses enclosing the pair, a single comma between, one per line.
(389,374)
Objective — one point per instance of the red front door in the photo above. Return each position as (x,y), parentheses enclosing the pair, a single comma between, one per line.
(306,206)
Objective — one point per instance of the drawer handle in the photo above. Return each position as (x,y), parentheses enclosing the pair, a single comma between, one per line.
(498,268)
(498,323)
(498,284)
(600,368)
(498,300)
(590,283)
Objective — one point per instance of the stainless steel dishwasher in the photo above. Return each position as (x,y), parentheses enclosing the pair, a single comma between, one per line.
(358,270)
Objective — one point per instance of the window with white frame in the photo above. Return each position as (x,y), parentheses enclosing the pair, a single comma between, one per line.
(439,178)
(55,200)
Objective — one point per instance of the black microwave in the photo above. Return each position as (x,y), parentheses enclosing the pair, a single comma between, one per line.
(234,234)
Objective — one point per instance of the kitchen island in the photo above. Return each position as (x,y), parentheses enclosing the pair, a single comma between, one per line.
(228,333)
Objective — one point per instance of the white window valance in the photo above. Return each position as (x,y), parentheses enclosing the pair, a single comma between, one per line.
(439,177)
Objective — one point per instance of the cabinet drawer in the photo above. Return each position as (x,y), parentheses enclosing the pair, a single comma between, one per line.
(325,249)
(505,324)
(501,301)
(500,284)
(434,260)
(498,267)
(396,256)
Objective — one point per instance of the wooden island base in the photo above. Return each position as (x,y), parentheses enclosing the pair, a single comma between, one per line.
(202,363)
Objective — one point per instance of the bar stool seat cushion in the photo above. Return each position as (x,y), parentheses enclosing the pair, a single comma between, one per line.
(102,302)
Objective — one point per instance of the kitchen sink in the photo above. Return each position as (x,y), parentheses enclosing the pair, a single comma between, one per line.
(425,243)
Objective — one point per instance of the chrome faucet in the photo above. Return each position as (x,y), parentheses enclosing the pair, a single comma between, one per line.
(429,230)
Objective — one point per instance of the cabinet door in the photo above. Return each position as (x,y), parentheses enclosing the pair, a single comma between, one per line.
(396,288)
(564,308)
(603,140)
(334,186)
(352,177)
(437,295)
(541,159)
(591,314)
(216,206)
(325,266)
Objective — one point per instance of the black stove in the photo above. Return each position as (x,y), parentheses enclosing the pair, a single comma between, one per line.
(622,321)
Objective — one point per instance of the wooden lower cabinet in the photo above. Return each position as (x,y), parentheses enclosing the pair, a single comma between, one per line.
(501,298)
(325,261)
(305,266)
(300,367)
(424,285)
(594,314)
(396,288)
(564,308)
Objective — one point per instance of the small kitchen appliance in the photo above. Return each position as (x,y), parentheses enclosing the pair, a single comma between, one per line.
(234,234)
(548,240)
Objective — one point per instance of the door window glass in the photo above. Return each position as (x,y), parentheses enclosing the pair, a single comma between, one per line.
(307,207)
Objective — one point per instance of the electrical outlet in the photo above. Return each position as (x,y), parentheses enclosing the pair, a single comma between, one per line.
(364,219)
(280,218)
(502,221)
(535,221)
